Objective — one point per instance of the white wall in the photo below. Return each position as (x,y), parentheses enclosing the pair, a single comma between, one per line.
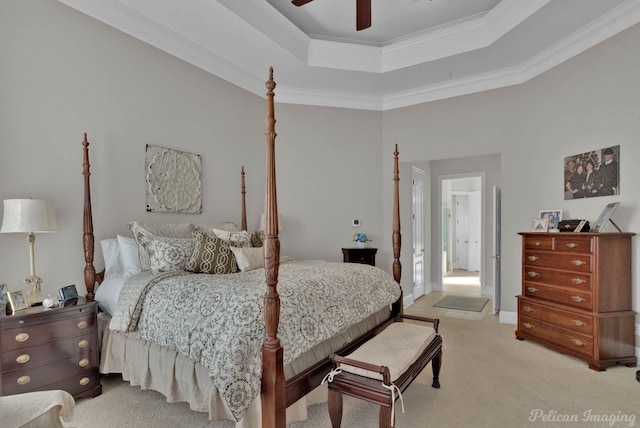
(63,73)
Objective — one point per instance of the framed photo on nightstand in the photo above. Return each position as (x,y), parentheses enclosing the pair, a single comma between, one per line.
(17,300)
(4,297)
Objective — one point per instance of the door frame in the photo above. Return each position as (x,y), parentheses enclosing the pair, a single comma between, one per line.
(438,286)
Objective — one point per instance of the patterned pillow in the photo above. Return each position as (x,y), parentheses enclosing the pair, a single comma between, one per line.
(257,238)
(211,255)
(141,229)
(248,258)
(235,239)
(167,254)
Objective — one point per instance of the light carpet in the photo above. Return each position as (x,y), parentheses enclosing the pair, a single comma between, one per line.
(463,303)
(488,378)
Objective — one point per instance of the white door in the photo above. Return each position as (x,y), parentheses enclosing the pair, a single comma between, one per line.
(496,248)
(418,177)
(461,216)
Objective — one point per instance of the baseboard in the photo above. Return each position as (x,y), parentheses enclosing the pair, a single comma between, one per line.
(408,300)
(508,317)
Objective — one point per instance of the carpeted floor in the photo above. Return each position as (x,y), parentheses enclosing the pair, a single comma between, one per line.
(488,378)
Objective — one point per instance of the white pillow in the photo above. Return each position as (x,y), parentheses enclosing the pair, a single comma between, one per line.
(248,258)
(129,256)
(235,239)
(111,256)
(108,292)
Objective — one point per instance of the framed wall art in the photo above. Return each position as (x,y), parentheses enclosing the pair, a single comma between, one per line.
(591,174)
(173,181)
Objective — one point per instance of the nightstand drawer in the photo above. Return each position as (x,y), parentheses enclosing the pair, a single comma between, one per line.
(27,357)
(359,255)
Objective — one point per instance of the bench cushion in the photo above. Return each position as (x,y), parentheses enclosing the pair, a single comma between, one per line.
(396,347)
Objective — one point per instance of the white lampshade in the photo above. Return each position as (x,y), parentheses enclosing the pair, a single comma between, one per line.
(263,225)
(28,215)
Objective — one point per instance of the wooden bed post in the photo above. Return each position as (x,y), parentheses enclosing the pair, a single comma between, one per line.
(273,393)
(243,191)
(87,226)
(396,237)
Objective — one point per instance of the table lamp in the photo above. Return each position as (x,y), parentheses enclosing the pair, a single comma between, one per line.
(30,216)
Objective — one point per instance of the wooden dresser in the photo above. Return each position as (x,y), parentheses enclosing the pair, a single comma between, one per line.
(576,296)
(45,349)
(365,255)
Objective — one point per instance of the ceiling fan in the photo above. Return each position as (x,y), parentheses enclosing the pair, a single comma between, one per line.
(363,12)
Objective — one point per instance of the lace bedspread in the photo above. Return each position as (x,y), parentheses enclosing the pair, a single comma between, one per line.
(218,320)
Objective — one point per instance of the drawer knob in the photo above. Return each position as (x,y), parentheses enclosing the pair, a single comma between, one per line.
(83,343)
(22,337)
(533,258)
(83,362)
(532,289)
(23,358)
(527,325)
(537,243)
(577,299)
(84,381)
(578,342)
(577,323)
(571,245)
(528,309)
(23,380)
(577,262)
(82,324)
(532,274)
(578,280)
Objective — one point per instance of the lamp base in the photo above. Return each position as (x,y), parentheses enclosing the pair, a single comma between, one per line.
(34,295)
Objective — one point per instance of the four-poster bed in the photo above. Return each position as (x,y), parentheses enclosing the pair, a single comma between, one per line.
(280,386)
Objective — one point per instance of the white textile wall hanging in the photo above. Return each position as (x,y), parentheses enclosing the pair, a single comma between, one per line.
(173,181)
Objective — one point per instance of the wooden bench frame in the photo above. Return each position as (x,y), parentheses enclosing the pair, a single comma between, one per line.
(371,389)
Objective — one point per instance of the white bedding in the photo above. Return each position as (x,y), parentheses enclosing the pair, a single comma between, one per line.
(109,291)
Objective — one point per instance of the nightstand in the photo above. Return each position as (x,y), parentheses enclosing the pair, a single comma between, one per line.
(365,256)
(45,349)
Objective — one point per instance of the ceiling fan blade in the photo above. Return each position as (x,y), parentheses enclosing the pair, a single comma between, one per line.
(300,2)
(363,14)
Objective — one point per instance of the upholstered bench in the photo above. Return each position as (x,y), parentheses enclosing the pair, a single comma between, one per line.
(384,364)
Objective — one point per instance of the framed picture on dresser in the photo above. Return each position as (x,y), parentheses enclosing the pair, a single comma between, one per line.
(540,225)
(4,298)
(17,300)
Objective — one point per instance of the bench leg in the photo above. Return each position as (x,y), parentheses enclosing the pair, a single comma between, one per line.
(384,417)
(435,365)
(335,408)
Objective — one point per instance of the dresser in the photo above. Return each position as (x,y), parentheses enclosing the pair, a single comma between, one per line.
(45,349)
(359,255)
(576,296)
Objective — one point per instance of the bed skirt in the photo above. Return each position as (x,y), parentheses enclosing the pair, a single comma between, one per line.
(179,379)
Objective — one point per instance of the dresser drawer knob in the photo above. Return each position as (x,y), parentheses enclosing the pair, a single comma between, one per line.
(532,289)
(23,380)
(577,299)
(23,358)
(528,309)
(577,323)
(533,258)
(532,274)
(537,244)
(527,325)
(571,245)
(578,280)
(578,342)
(84,381)
(22,337)
(82,324)
(83,362)
(577,262)
(83,343)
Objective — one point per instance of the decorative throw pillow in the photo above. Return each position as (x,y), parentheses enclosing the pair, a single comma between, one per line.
(235,239)
(211,255)
(168,254)
(141,229)
(248,258)
(256,238)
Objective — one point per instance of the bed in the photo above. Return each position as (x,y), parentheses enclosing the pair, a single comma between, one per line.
(276,361)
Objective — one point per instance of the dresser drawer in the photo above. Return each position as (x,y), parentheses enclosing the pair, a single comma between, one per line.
(17,381)
(573,243)
(33,334)
(575,342)
(541,242)
(581,281)
(28,357)
(569,320)
(566,296)
(577,262)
